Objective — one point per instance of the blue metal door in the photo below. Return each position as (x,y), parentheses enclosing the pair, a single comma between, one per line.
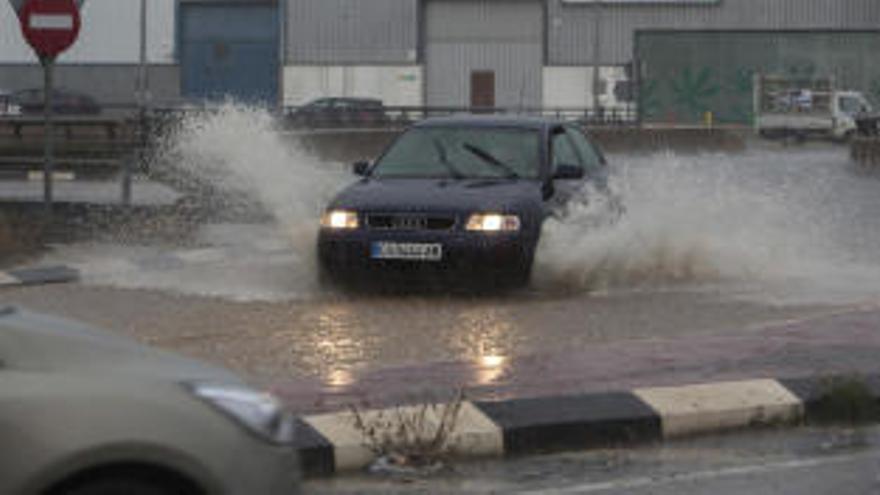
(230,51)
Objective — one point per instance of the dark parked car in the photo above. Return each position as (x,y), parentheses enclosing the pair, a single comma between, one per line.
(64,102)
(340,112)
(457,196)
(7,106)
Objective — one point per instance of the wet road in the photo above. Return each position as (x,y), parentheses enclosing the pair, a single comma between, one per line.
(336,337)
(805,461)
(711,245)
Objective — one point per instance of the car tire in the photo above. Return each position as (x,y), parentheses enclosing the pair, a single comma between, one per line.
(125,486)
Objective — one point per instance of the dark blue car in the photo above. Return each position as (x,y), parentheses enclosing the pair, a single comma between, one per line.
(457,198)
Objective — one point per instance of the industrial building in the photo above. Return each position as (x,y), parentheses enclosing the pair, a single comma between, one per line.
(676,58)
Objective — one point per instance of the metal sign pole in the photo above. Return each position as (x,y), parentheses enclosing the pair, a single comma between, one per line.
(48,132)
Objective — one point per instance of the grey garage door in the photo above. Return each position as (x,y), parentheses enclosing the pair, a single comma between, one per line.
(471,42)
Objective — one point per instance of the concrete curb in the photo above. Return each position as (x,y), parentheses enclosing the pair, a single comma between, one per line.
(330,443)
(38,276)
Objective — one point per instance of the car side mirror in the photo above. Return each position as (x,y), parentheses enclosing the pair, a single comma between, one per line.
(361,168)
(568,172)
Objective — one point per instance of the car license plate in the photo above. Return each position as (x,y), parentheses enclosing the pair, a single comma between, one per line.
(407,251)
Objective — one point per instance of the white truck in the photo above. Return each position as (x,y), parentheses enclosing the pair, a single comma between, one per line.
(802,108)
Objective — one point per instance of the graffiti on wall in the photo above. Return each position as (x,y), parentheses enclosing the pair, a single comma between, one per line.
(686,76)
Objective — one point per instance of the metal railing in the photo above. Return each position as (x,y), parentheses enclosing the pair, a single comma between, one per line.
(304,117)
(868,125)
(92,147)
(395,116)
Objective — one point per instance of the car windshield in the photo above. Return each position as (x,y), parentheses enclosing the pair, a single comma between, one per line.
(463,152)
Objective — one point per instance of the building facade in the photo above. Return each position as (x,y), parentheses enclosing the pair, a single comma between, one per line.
(676,59)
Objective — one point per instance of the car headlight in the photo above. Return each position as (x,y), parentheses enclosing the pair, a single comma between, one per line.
(339,219)
(493,222)
(260,413)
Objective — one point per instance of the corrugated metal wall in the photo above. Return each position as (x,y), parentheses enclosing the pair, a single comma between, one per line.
(570,26)
(505,36)
(685,74)
(352,31)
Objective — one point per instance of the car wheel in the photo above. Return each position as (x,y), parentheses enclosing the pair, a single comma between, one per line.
(125,486)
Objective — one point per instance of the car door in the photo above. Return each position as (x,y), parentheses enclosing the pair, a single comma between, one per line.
(563,152)
(592,159)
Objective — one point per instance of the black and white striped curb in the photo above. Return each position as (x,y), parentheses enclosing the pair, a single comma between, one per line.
(330,443)
(38,276)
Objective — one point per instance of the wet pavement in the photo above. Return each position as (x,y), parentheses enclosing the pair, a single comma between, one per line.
(723,266)
(803,461)
(328,353)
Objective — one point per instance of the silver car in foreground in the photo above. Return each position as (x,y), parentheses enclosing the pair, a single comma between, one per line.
(84,412)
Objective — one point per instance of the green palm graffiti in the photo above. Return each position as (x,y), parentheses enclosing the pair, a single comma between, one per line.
(649,100)
(693,90)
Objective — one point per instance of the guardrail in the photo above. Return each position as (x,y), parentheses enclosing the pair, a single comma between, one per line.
(112,144)
(868,125)
(396,116)
(97,147)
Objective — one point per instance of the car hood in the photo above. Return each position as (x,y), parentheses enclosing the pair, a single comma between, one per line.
(31,341)
(413,195)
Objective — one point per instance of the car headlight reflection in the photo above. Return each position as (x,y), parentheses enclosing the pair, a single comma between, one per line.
(260,413)
(493,222)
(339,219)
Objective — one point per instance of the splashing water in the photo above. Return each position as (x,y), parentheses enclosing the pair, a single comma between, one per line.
(798,225)
(239,151)
(779,225)
(236,156)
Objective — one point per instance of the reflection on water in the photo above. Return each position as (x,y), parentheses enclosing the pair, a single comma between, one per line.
(339,378)
(334,344)
(486,333)
(491,368)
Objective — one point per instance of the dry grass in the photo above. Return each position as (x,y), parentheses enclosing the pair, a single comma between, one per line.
(413,436)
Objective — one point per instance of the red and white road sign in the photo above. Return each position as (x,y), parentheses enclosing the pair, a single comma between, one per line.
(50,26)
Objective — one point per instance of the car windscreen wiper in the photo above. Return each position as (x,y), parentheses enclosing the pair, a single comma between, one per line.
(487,157)
(441,151)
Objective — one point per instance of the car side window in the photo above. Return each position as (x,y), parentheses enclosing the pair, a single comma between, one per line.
(591,159)
(563,150)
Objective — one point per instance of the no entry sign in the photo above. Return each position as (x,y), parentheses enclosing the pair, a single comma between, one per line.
(50,26)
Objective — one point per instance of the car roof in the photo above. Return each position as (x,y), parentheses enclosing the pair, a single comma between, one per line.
(468,120)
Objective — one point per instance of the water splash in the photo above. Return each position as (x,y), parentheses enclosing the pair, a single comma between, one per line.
(794,224)
(235,160)
(785,225)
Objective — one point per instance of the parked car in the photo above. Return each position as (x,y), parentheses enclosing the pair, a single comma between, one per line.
(7,105)
(457,197)
(340,112)
(64,102)
(84,412)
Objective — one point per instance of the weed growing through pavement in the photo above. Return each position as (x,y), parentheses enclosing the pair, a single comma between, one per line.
(410,437)
(846,400)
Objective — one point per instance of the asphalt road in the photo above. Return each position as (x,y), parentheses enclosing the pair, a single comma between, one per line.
(805,461)
(711,245)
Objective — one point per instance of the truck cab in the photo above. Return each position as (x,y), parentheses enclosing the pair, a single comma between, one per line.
(847,105)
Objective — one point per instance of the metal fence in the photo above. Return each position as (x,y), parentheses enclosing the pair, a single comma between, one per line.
(306,117)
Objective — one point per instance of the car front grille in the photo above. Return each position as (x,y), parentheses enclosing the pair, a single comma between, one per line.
(394,221)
